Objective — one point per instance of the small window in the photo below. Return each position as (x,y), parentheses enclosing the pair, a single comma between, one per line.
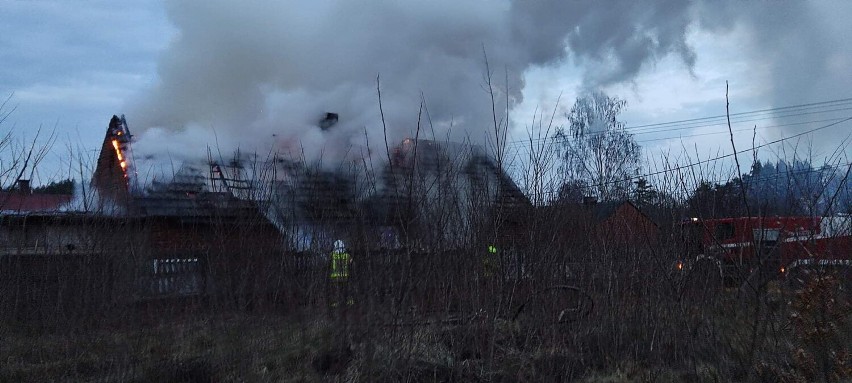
(766,235)
(724,231)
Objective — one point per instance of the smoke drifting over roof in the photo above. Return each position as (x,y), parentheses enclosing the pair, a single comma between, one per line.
(266,72)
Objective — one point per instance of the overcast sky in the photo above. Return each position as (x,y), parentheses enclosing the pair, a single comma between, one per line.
(260,74)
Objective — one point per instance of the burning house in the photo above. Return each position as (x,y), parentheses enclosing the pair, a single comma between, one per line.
(431,194)
(126,241)
(204,229)
(229,227)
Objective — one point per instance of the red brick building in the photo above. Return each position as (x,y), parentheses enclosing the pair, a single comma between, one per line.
(613,224)
(621,223)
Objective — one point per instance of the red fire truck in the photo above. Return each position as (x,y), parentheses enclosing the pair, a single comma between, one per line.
(739,247)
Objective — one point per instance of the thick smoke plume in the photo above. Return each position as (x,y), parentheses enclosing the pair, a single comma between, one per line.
(264,72)
(261,74)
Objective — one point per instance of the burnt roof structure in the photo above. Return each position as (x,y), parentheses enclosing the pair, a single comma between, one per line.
(448,193)
(186,194)
(437,191)
(114,170)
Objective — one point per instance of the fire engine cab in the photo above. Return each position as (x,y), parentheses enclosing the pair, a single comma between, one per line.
(738,247)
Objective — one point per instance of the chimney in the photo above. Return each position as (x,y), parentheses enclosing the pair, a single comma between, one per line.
(328,121)
(24,187)
(589,201)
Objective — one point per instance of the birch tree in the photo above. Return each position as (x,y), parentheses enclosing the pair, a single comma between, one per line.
(598,150)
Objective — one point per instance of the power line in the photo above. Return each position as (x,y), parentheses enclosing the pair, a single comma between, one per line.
(780,112)
(723,116)
(722,123)
(744,130)
(669,137)
(682,167)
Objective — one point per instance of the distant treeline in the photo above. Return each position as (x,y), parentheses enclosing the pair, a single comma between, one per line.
(780,188)
(65,186)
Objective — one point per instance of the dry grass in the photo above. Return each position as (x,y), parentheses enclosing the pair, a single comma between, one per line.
(313,346)
(198,349)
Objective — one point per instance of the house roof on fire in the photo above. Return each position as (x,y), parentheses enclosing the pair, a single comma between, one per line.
(285,190)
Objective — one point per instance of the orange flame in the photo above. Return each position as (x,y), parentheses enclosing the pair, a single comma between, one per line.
(120,156)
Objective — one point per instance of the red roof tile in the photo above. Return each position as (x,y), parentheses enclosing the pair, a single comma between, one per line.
(20,202)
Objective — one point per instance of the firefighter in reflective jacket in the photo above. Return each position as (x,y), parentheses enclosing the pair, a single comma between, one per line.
(340,262)
(489,261)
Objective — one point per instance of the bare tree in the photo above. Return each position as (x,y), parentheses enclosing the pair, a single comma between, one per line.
(19,158)
(598,148)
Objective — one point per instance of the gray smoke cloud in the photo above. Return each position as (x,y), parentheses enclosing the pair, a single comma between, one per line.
(801,46)
(260,74)
(264,72)
(799,52)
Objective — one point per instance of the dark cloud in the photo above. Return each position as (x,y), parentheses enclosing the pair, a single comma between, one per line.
(611,40)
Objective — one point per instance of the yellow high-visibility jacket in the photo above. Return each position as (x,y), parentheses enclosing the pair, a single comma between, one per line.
(340,261)
(490,261)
